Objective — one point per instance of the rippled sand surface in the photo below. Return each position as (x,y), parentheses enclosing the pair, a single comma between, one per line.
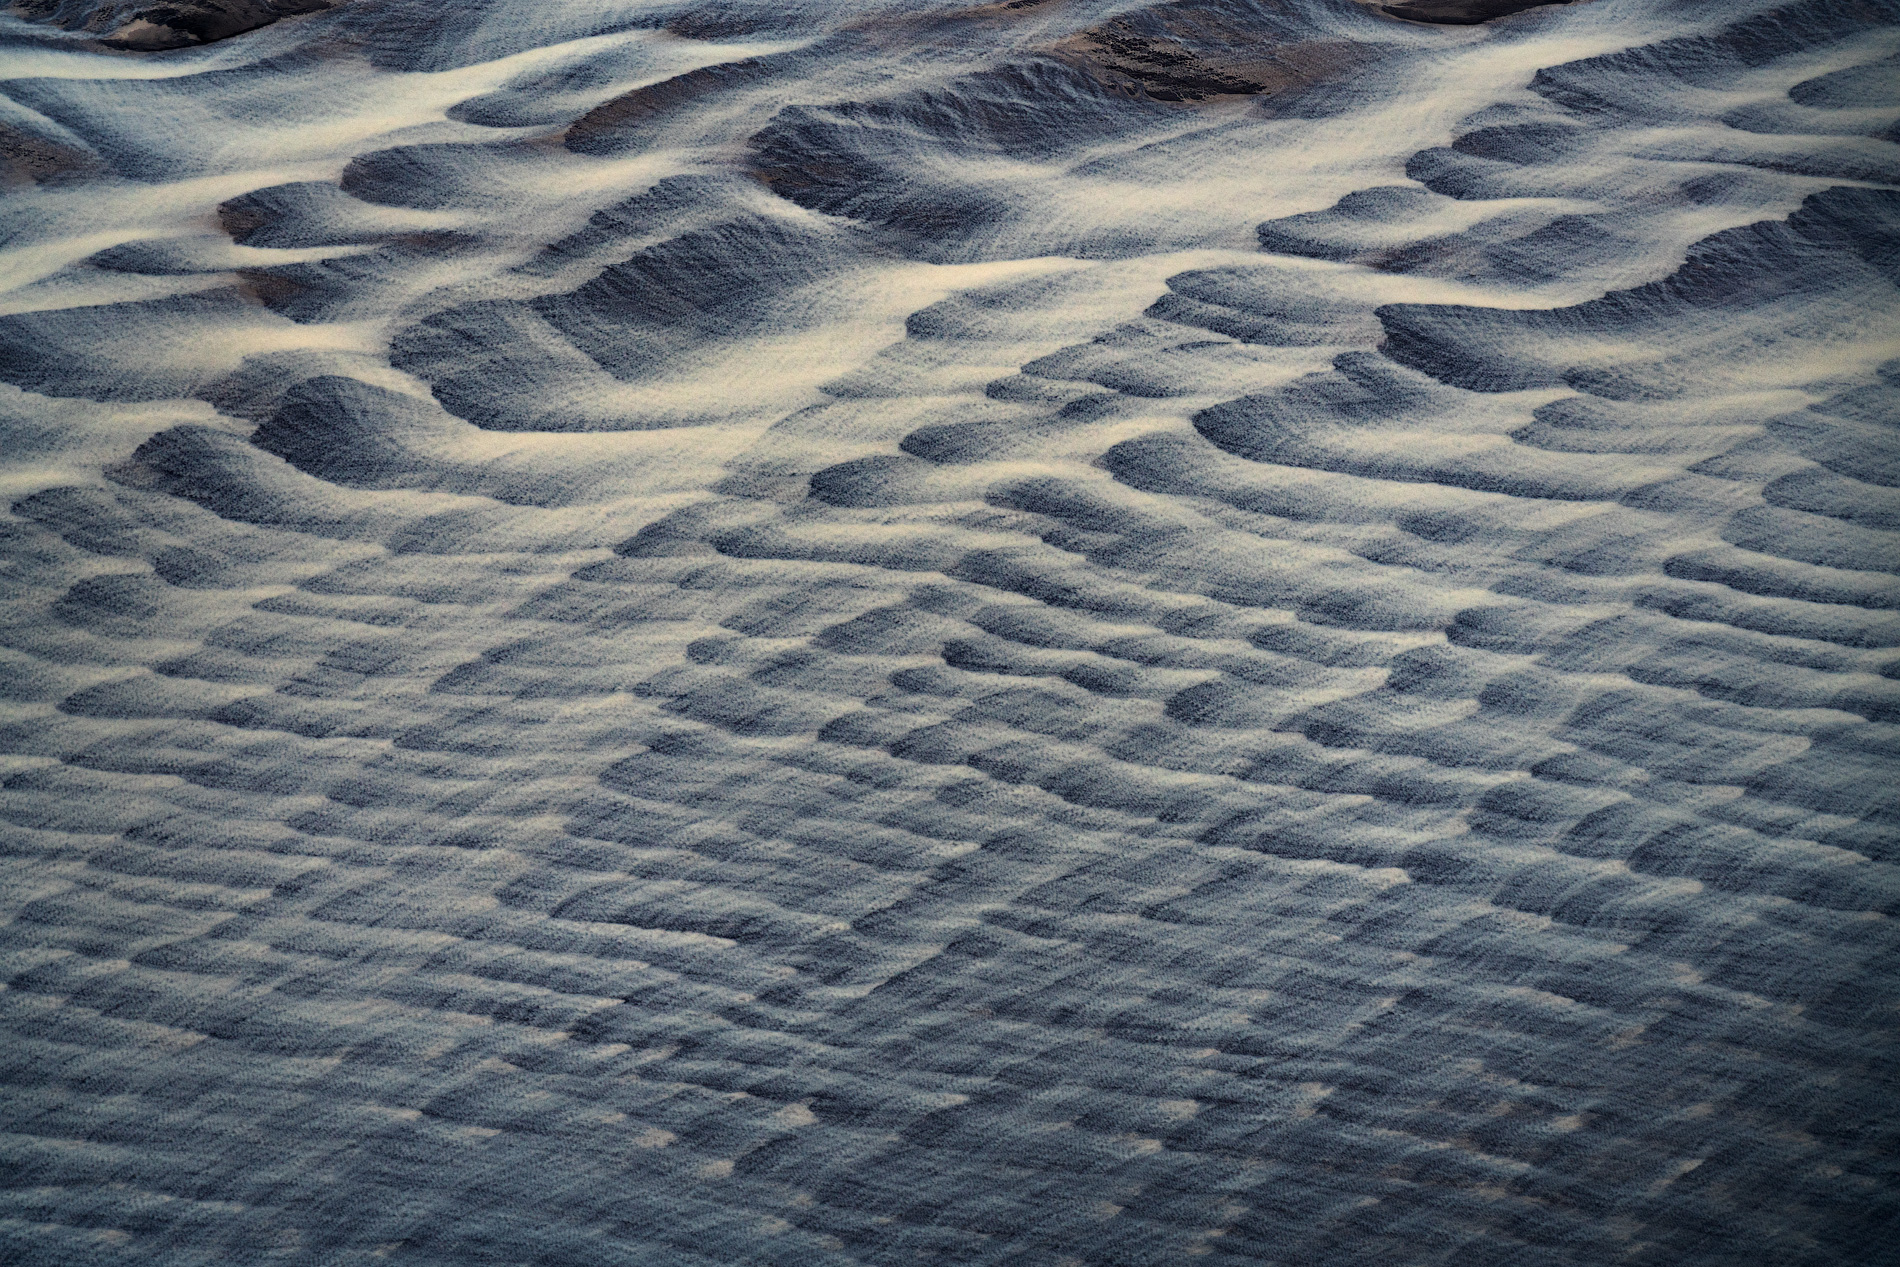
(658,632)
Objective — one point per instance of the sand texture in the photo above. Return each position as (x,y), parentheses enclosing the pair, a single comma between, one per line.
(1065,633)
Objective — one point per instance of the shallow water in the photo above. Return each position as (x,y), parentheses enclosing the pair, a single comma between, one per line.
(862,632)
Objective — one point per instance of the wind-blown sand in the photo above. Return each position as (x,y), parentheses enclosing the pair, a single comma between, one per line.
(1048,633)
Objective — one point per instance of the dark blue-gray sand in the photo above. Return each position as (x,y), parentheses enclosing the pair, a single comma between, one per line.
(1063,633)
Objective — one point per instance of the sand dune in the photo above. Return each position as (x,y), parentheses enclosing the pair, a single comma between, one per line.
(1058,632)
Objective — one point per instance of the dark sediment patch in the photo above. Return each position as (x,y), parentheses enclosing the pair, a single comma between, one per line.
(543,96)
(1867,87)
(34,157)
(347,432)
(228,477)
(1625,83)
(303,214)
(613,126)
(1840,238)
(1462,12)
(113,351)
(1256,307)
(728,21)
(429,177)
(1197,52)
(860,158)
(138,26)
(1362,227)
(712,283)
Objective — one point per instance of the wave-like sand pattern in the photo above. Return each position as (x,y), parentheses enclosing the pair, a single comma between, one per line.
(1049,633)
